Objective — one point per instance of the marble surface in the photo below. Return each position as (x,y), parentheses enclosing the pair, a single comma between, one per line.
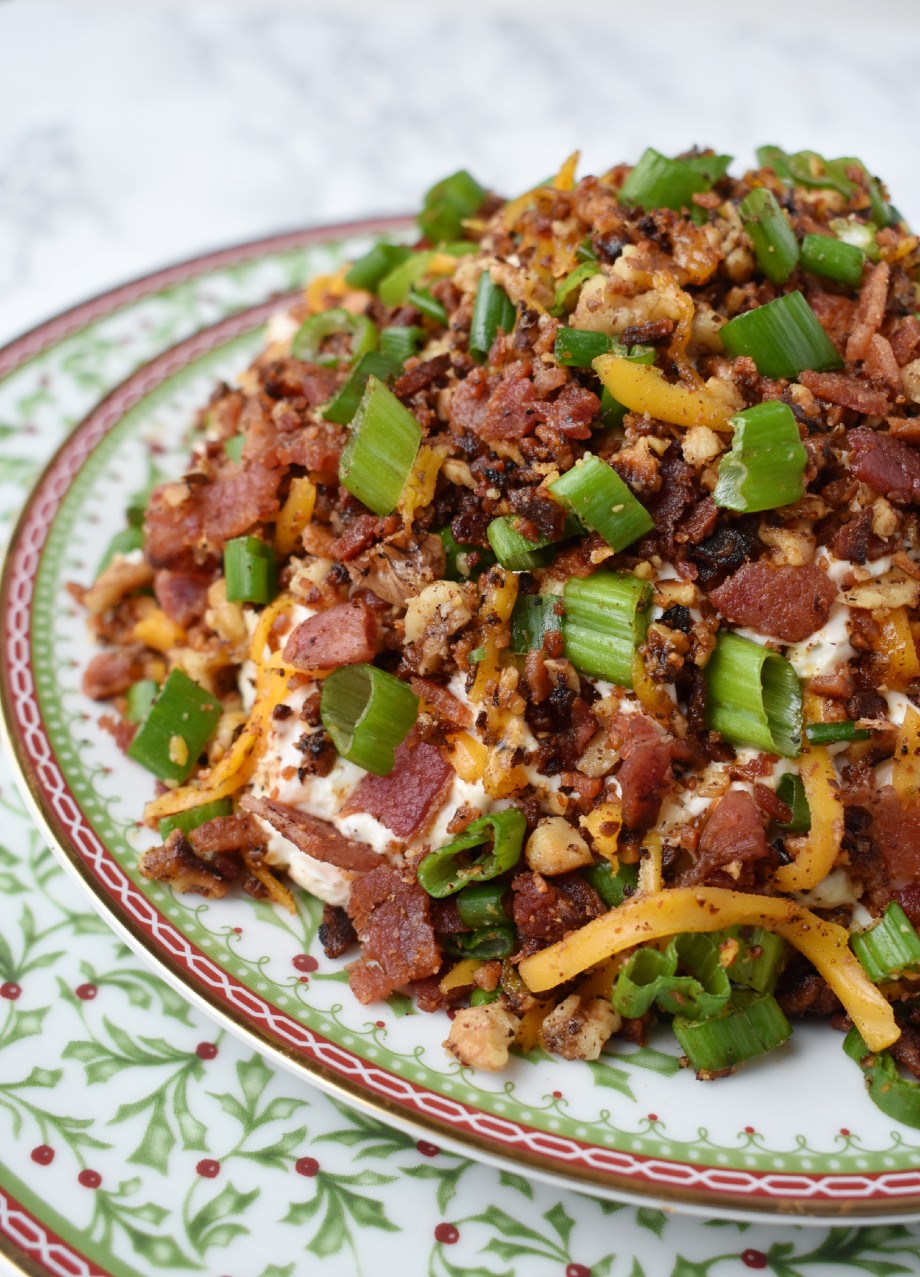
(134,134)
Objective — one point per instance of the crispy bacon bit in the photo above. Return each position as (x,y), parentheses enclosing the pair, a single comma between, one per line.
(360,533)
(176,863)
(848,392)
(183,596)
(345,634)
(572,411)
(788,603)
(225,833)
(447,706)
(870,311)
(511,412)
(645,773)
(112,672)
(808,994)
(905,338)
(336,934)
(421,375)
(414,790)
(545,911)
(398,944)
(183,518)
(651,333)
(734,831)
(770,803)
(888,465)
(314,837)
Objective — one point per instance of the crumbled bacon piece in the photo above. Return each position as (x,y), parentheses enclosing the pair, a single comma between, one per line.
(414,790)
(345,634)
(733,832)
(888,465)
(314,837)
(336,934)
(848,392)
(112,672)
(183,596)
(645,773)
(788,603)
(391,915)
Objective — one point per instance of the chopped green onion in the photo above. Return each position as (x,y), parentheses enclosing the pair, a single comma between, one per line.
(833,259)
(497,940)
(393,289)
(783,338)
(579,347)
(811,170)
(585,250)
(657,182)
(775,245)
(597,496)
(830,733)
(774,157)
(375,265)
(400,343)
(480,904)
(462,560)
(650,976)
(606,618)
(233,448)
(897,1096)
(533,617)
(482,997)
(251,570)
(124,542)
(766,465)
(367,712)
(446,870)
(195,816)
(429,306)
(572,283)
(889,947)
(139,699)
(744,1030)
(478,654)
(180,723)
(493,311)
(342,408)
(791,791)
(308,340)
(850,230)
(447,205)
(712,167)
(381,449)
(515,552)
(612,885)
(754,697)
(759,957)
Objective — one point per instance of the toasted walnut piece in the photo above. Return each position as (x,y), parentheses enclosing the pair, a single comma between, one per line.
(480,1036)
(123,576)
(577,1030)
(226,619)
(441,606)
(700,445)
(791,547)
(894,589)
(910,380)
(556,847)
(884,518)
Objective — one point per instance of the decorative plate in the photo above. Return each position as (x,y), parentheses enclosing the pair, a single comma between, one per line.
(794,1134)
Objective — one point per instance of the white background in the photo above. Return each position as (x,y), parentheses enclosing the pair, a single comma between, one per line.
(136,133)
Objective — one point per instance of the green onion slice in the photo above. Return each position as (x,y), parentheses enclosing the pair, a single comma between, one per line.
(461,561)
(493,312)
(754,697)
(893,1094)
(367,712)
(759,958)
(783,338)
(195,816)
(597,496)
(124,542)
(429,306)
(514,551)
(748,1027)
(766,466)
(447,205)
(233,447)
(400,343)
(612,885)
(381,449)
(775,245)
(834,259)
(533,617)
(850,230)
(480,905)
(567,290)
(650,976)
(791,791)
(375,265)
(393,289)
(308,340)
(180,723)
(251,570)
(712,167)
(606,618)
(830,733)
(497,940)
(482,997)
(342,408)
(139,699)
(889,947)
(657,182)
(495,843)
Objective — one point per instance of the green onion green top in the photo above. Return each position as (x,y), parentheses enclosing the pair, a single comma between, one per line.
(754,697)
(495,843)
(783,338)
(766,466)
(368,713)
(381,449)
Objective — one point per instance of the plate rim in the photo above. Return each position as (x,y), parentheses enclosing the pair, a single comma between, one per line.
(617,1185)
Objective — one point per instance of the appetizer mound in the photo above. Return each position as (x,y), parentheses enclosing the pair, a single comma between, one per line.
(545,600)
